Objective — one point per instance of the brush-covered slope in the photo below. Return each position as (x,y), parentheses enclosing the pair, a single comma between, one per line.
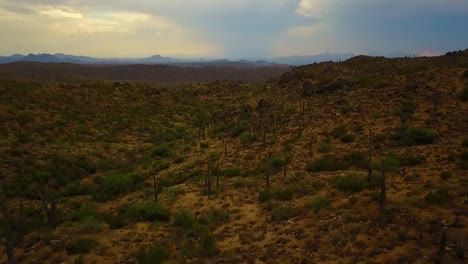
(271,173)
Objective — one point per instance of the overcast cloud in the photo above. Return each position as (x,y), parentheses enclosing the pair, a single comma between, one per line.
(232,28)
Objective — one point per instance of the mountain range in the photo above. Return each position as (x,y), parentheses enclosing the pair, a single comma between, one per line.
(158,59)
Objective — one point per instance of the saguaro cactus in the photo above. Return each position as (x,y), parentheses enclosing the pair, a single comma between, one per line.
(49,204)
(371,157)
(383,188)
(442,245)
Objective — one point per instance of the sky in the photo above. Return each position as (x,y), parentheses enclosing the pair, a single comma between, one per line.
(232,28)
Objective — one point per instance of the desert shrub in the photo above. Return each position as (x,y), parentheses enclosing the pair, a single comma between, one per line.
(356,158)
(464,160)
(406,110)
(339,131)
(445,175)
(213,217)
(277,194)
(111,185)
(282,213)
(205,245)
(146,211)
(178,160)
(351,182)
(411,159)
(373,180)
(264,196)
(277,162)
(160,151)
(318,203)
(375,196)
(151,254)
(152,211)
(346,108)
(347,138)
(464,93)
(437,197)
(79,260)
(418,136)
(327,163)
(115,221)
(91,224)
(241,183)
(324,147)
(282,194)
(245,138)
(238,129)
(81,245)
(465,74)
(231,172)
(465,143)
(184,218)
(391,163)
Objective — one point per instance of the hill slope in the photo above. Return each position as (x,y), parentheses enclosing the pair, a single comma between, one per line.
(291,157)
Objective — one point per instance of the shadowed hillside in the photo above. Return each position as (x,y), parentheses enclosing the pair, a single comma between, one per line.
(155,73)
(363,161)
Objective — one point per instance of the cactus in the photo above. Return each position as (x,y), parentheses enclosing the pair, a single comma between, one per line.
(383,188)
(155,188)
(442,245)
(371,157)
(49,205)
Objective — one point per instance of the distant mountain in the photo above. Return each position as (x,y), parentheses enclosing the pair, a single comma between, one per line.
(158,59)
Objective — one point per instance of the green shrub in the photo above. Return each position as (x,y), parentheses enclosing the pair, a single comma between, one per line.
(346,108)
(238,129)
(277,162)
(357,159)
(464,94)
(324,147)
(231,172)
(152,211)
(161,151)
(418,136)
(282,213)
(351,182)
(318,203)
(464,160)
(375,196)
(465,143)
(264,196)
(151,254)
(115,221)
(391,163)
(91,224)
(438,197)
(213,217)
(146,211)
(347,138)
(339,131)
(445,175)
(79,260)
(241,183)
(245,138)
(327,163)
(184,218)
(411,159)
(110,186)
(81,245)
(277,194)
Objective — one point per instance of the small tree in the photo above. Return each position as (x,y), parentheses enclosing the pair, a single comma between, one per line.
(49,204)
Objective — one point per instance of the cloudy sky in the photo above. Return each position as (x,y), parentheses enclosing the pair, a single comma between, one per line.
(232,28)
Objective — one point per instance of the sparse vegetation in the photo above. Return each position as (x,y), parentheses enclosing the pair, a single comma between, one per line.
(233,172)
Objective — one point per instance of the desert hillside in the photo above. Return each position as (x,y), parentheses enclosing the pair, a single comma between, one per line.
(362,161)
